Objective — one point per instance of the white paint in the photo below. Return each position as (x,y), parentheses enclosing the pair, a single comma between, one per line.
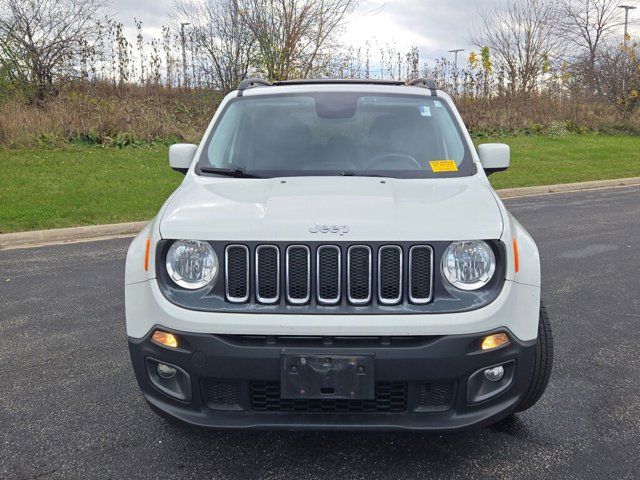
(494,156)
(373,209)
(516,308)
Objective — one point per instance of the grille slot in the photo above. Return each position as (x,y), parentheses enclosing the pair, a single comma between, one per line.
(328,281)
(267,274)
(389,397)
(298,274)
(236,261)
(436,397)
(390,274)
(420,274)
(359,274)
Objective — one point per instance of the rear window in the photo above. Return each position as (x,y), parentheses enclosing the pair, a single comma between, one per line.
(339,133)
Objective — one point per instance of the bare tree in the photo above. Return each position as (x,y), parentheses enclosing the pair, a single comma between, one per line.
(39,39)
(618,71)
(222,38)
(292,35)
(521,37)
(586,24)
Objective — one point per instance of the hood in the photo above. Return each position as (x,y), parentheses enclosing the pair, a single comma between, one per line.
(334,208)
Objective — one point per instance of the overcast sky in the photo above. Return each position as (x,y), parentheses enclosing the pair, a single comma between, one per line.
(434,26)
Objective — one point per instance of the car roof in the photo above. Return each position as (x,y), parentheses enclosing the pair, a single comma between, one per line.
(256,86)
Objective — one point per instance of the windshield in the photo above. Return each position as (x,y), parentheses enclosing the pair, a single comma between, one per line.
(337,133)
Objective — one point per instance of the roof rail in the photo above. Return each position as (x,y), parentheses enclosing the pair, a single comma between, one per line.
(258,82)
(251,83)
(425,82)
(339,81)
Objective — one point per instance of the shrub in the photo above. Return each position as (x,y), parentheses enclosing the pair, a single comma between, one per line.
(101,114)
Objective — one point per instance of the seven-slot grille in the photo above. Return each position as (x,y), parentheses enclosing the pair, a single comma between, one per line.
(329,274)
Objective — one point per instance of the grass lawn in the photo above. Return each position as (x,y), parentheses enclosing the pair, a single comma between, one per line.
(91,185)
(82,186)
(537,160)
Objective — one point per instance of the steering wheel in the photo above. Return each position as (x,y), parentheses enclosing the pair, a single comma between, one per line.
(410,163)
(334,164)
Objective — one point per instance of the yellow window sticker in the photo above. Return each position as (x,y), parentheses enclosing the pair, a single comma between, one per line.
(438,166)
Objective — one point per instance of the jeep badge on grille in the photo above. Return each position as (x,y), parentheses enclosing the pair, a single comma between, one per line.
(340,229)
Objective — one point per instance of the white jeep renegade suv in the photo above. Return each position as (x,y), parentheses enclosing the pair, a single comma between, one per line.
(336,258)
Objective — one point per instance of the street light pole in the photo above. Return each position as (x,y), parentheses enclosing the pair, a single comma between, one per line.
(455,67)
(626,20)
(455,52)
(184,54)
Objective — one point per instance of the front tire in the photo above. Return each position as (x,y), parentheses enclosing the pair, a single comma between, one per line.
(543,363)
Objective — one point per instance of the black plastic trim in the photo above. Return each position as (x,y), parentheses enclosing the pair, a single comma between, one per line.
(434,360)
(491,171)
(480,390)
(257,82)
(425,82)
(251,83)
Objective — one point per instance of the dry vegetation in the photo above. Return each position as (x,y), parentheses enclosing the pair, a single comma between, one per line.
(101,114)
(68,73)
(545,115)
(98,113)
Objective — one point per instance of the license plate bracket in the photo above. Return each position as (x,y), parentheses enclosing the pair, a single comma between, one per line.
(327,377)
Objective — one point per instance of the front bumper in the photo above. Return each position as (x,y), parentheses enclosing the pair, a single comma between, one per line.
(422,383)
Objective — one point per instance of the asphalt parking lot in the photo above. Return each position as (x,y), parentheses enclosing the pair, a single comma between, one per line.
(70,407)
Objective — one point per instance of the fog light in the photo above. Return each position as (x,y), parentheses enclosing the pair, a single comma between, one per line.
(494,374)
(167,372)
(165,339)
(169,379)
(495,341)
(490,382)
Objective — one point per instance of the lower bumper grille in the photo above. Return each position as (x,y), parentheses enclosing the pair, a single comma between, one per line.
(221,395)
(389,397)
(436,397)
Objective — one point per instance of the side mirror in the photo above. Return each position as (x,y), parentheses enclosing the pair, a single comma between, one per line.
(494,157)
(181,155)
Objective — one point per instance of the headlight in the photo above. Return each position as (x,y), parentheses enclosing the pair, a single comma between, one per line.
(468,265)
(192,264)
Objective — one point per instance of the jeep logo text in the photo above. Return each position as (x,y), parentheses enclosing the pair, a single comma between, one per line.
(339,229)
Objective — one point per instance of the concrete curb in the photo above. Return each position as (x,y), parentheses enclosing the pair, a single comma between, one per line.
(567,187)
(104,232)
(69,235)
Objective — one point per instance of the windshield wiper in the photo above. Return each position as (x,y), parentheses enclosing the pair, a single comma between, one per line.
(350,173)
(228,172)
